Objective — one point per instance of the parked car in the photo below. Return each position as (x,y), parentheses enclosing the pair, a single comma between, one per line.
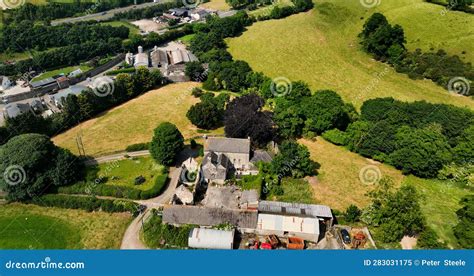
(346,238)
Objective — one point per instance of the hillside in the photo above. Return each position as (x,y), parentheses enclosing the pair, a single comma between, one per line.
(134,121)
(319,48)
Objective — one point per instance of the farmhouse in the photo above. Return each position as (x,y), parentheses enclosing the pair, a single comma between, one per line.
(14,109)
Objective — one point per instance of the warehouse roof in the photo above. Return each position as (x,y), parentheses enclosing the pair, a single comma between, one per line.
(292,224)
(296,209)
(211,239)
(205,216)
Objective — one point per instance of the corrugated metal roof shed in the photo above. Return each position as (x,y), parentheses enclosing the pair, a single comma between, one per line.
(269,222)
(205,216)
(297,209)
(211,239)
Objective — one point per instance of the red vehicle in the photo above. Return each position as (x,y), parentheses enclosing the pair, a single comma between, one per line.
(266,245)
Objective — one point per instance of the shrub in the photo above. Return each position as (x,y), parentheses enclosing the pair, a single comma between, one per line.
(352,213)
(137,147)
(428,239)
(336,137)
(87,203)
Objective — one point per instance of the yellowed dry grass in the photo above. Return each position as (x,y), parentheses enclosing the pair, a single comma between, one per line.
(134,121)
(98,230)
(219,5)
(338,182)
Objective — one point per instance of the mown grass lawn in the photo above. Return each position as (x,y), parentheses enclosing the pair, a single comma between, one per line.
(133,122)
(124,172)
(65,71)
(33,227)
(321,47)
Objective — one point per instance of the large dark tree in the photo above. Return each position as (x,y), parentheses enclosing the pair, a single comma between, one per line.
(244,118)
(421,152)
(31,164)
(166,144)
(293,160)
(206,115)
(325,110)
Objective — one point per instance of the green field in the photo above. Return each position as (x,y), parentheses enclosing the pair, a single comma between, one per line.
(124,172)
(134,121)
(65,71)
(267,9)
(321,47)
(338,185)
(133,29)
(34,227)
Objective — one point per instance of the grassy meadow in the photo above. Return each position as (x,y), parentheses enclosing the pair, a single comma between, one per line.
(65,71)
(219,5)
(338,186)
(133,122)
(321,47)
(34,227)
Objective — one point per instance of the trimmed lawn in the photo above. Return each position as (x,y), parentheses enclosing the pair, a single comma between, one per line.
(65,71)
(133,122)
(124,172)
(34,227)
(321,47)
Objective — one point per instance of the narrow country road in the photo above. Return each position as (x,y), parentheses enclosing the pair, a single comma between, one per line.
(131,238)
(113,157)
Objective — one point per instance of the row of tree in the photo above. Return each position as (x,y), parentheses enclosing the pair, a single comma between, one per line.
(55,10)
(27,35)
(387,43)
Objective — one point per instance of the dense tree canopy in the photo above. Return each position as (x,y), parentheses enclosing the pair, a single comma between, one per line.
(31,164)
(166,144)
(293,160)
(244,118)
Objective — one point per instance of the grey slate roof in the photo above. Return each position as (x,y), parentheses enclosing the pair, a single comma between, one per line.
(40,83)
(230,145)
(296,209)
(249,196)
(214,166)
(261,155)
(205,216)
(15,109)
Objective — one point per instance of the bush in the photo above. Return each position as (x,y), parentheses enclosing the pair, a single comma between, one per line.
(352,213)
(155,231)
(87,203)
(428,239)
(336,137)
(138,147)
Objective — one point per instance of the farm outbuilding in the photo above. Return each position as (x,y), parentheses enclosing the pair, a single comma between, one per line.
(211,239)
(304,227)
